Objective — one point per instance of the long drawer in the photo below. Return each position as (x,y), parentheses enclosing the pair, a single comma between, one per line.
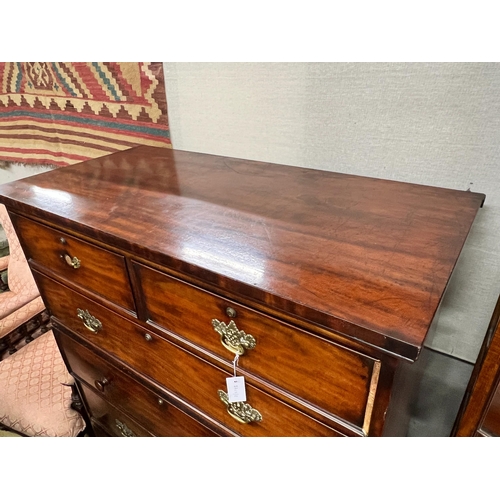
(150,410)
(331,377)
(184,374)
(115,422)
(94,268)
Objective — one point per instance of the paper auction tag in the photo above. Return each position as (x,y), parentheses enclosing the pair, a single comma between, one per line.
(236,389)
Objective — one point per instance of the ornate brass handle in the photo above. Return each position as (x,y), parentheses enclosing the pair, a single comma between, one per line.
(73,262)
(234,340)
(125,431)
(89,321)
(242,412)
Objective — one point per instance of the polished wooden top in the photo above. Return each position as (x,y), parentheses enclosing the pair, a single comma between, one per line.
(366,257)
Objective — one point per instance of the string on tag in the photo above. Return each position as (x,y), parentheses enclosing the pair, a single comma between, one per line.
(235,362)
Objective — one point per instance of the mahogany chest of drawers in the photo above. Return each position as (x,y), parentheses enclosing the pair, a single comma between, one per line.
(167,272)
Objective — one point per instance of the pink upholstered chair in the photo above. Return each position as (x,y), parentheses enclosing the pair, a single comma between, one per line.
(37,396)
(21,307)
(36,392)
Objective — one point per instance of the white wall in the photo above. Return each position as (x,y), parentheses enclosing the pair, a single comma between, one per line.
(435,124)
(13,171)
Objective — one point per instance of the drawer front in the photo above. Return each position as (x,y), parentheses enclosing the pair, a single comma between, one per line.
(113,421)
(182,373)
(150,410)
(98,430)
(98,271)
(334,378)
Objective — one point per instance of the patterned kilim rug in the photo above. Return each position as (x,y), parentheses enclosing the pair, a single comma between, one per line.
(63,113)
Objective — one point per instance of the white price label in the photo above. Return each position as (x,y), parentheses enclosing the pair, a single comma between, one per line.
(236,389)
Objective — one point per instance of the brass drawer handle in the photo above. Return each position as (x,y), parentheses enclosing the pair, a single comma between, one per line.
(125,431)
(242,412)
(234,340)
(89,321)
(101,384)
(73,262)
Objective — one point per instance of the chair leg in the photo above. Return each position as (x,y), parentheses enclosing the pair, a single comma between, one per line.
(76,401)
(41,321)
(32,327)
(10,338)
(11,342)
(30,330)
(77,405)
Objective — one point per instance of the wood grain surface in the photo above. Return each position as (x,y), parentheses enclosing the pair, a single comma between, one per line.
(290,358)
(186,375)
(365,257)
(151,410)
(99,270)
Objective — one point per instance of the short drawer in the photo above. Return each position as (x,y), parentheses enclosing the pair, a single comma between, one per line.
(331,377)
(95,269)
(112,420)
(180,372)
(150,410)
